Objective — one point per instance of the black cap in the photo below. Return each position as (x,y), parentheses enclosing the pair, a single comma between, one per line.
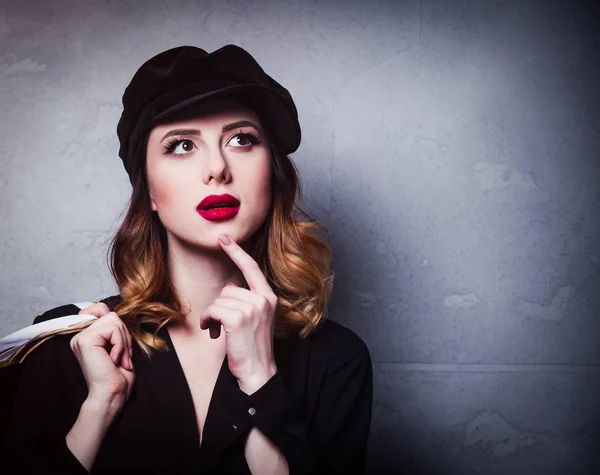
(179,77)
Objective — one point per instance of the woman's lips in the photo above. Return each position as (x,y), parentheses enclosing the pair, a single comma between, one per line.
(219,214)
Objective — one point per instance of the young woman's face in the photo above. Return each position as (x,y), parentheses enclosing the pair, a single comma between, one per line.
(220,149)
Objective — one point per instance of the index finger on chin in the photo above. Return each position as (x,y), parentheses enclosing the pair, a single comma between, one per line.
(249,267)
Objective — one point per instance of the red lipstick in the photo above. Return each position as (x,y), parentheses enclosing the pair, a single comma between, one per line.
(218,207)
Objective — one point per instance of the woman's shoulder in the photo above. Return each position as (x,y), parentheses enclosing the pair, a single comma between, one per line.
(73,309)
(335,341)
(58,346)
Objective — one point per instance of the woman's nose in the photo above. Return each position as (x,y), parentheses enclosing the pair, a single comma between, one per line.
(216,165)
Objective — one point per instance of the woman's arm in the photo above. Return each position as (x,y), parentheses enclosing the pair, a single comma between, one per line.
(109,379)
(37,422)
(35,440)
(55,422)
(263,456)
(333,438)
(87,434)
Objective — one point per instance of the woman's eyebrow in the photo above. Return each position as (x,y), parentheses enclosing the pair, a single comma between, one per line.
(181,132)
(226,128)
(238,124)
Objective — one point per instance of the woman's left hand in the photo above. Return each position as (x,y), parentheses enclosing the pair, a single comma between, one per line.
(248,319)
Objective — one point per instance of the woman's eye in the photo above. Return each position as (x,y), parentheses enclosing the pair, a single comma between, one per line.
(179,147)
(244,140)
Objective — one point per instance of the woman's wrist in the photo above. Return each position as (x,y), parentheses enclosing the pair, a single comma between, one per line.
(252,383)
(87,434)
(105,409)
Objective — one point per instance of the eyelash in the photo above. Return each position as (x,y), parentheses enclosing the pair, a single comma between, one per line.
(171,144)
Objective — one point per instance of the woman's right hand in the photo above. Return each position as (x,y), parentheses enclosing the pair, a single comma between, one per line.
(104,351)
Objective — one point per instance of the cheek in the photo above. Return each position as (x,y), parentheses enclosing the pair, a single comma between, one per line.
(163,187)
(262,187)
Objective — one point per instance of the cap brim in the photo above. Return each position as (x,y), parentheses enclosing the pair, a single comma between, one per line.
(271,109)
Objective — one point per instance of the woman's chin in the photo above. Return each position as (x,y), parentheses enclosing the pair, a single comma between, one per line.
(209,240)
(214,244)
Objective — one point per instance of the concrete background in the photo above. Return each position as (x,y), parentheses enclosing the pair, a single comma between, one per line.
(452,149)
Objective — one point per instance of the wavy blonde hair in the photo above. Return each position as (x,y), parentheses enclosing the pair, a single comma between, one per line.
(293,257)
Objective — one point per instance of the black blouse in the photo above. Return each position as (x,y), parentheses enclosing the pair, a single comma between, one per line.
(316,409)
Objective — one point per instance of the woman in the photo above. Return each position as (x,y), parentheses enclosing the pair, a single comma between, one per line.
(215,357)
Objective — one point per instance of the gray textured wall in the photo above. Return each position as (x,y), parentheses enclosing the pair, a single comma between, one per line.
(452,148)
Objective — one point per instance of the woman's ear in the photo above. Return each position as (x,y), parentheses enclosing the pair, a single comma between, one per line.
(153,206)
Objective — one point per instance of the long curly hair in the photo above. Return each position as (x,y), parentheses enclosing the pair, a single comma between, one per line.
(293,257)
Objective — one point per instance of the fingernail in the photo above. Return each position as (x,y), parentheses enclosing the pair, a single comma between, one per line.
(225,239)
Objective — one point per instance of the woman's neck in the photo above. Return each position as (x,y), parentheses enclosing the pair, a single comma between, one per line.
(198,277)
